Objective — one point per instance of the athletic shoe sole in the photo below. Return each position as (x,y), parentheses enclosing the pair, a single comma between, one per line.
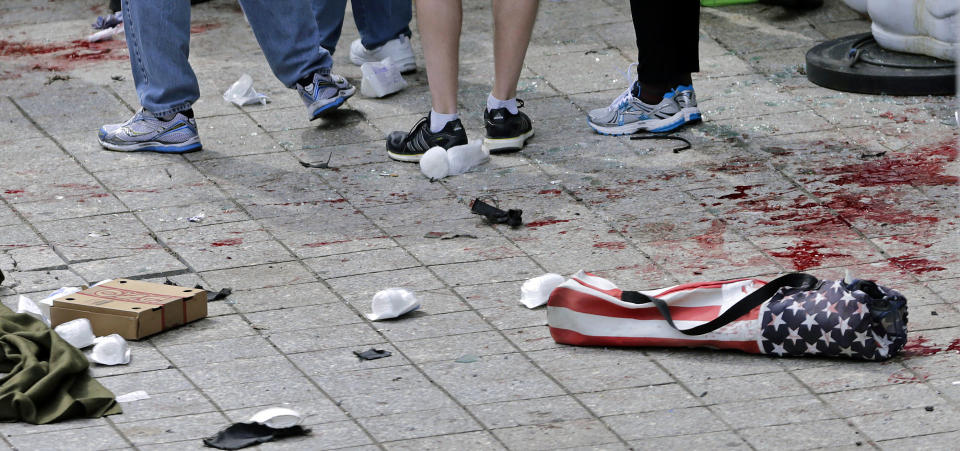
(504,145)
(691,115)
(333,104)
(404,157)
(193,145)
(658,126)
(406,65)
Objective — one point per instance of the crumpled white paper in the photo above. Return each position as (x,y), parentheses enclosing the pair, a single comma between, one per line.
(110,350)
(536,291)
(392,302)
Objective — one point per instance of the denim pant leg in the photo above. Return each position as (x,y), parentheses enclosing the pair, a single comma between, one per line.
(158,37)
(380,21)
(289,37)
(329,17)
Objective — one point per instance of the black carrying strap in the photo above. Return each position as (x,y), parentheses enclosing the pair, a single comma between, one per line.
(797,279)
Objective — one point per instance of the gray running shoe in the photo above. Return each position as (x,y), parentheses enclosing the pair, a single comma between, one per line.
(687,99)
(627,115)
(327,92)
(146,132)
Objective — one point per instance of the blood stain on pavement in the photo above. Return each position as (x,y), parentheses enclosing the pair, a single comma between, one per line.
(806,254)
(228,242)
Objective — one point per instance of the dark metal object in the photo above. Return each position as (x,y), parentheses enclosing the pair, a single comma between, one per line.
(495,215)
(857,63)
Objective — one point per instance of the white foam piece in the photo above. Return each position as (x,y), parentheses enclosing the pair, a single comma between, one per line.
(277,417)
(110,350)
(536,291)
(392,302)
(79,333)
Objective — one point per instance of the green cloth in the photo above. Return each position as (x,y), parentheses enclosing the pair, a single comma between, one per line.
(47,378)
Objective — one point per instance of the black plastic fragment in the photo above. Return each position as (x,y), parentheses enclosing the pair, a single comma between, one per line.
(242,435)
(1,276)
(215,295)
(495,215)
(372,354)
(865,155)
(211,295)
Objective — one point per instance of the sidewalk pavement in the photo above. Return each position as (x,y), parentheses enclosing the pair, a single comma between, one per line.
(779,178)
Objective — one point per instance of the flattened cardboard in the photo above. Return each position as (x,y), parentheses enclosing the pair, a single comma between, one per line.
(131,308)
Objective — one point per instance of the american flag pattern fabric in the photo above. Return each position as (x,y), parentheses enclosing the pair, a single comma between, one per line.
(830,320)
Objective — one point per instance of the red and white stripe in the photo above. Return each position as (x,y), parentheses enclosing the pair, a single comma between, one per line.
(586,310)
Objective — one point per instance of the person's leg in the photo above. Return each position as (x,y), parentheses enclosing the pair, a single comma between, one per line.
(158,37)
(384,27)
(288,34)
(329,17)
(289,38)
(664,64)
(507,129)
(439,22)
(380,21)
(662,98)
(513,24)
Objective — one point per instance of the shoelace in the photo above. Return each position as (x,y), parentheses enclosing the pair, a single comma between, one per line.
(406,139)
(626,94)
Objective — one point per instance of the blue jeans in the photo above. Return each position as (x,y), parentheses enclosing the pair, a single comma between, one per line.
(379,21)
(158,37)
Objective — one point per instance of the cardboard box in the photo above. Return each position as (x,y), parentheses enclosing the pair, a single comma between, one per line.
(131,308)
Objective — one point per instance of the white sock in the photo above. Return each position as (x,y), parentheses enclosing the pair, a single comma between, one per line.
(494,103)
(440,120)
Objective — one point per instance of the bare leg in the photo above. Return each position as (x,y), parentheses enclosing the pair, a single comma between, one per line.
(439,24)
(513,24)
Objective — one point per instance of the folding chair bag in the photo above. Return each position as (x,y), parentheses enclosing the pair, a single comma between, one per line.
(793,315)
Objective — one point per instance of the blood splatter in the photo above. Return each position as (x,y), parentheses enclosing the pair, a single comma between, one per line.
(918,346)
(915,264)
(546,222)
(740,194)
(898,118)
(60,56)
(15,49)
(614,245)
(806,254)
(229,242)
(550,191)
(13,191)
(713,238)
(954,345)
(924,167)
(913,375)
(204,27)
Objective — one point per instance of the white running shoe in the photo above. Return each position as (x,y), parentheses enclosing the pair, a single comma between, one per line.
(399,50)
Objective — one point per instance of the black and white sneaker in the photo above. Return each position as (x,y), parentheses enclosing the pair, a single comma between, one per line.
(506,132)
(412,145)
